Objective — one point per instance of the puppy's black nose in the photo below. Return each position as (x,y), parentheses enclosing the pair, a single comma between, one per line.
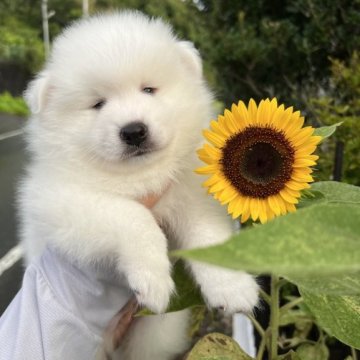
(134,133)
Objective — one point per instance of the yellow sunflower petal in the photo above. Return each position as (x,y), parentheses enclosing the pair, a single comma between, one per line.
(302,178)
(209,169)
(285,118)
(209,151)
(263,212)
(293,185)
(303,170)
(218,129)
(212,180)
(274,205)
(232,205)
(246,204)
(302,136)
(293,193)
(278,114)
(228,195)
(239,207)
(206,157)
(254,208)
(282,205)
(290,207)
(288,197)
(215,139)
(243,112)
(270,214)
(219,186)
(263,113)
(252,110)
(295,124)
(311,157)
(303,162)
(238,117)
(305,150)
(273,105)
(245,216)
(312,140)
(230,121)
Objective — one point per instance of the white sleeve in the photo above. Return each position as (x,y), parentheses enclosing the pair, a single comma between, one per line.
(52,317)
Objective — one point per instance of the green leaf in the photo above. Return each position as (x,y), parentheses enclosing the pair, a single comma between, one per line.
(326,131)
(294,316)
(330,192)
(217,346)
(310,197)
(341,284)
(187,291)
(337,192)
(338,315)
(318,351)
(291,355)
(323,239)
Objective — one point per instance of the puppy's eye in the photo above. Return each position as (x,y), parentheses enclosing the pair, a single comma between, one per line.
(99,104)
(149,90)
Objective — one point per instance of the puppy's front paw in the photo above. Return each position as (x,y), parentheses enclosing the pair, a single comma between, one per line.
(153,289)
(233,291)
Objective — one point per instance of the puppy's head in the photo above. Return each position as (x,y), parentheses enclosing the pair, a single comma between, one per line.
(119,88)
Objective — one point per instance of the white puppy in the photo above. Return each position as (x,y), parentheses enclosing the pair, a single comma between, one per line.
(117,115)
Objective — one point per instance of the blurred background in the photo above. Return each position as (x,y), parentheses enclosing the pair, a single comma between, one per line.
(304,52)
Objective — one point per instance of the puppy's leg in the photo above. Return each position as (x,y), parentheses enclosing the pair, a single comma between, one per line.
(203,223)
(90,226)
(158,337)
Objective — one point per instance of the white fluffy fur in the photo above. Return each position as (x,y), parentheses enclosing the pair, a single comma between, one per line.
(81,189)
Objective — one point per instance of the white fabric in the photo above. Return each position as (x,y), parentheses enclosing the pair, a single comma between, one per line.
(243,334)
(60,311)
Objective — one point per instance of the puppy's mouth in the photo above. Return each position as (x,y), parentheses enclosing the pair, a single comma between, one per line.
(139,151)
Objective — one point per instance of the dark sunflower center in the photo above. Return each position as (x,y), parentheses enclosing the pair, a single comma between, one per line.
(258,161)
(261,163)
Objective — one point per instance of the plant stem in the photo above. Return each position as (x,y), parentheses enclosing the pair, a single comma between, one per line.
(265,297)
(353,353)
(257,325)
(291,304)
(274,316)
(262,345)
(282,282)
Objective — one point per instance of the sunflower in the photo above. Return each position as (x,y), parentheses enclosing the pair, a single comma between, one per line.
(259,159)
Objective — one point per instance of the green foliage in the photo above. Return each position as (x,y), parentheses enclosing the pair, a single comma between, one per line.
(341,104)
(281,48)
(20,44)
(317,351)
(13,105)
(251,49)
(339,315)
(189,293)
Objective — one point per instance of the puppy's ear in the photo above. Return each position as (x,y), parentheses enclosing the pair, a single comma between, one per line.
(36,93)
(191,57)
